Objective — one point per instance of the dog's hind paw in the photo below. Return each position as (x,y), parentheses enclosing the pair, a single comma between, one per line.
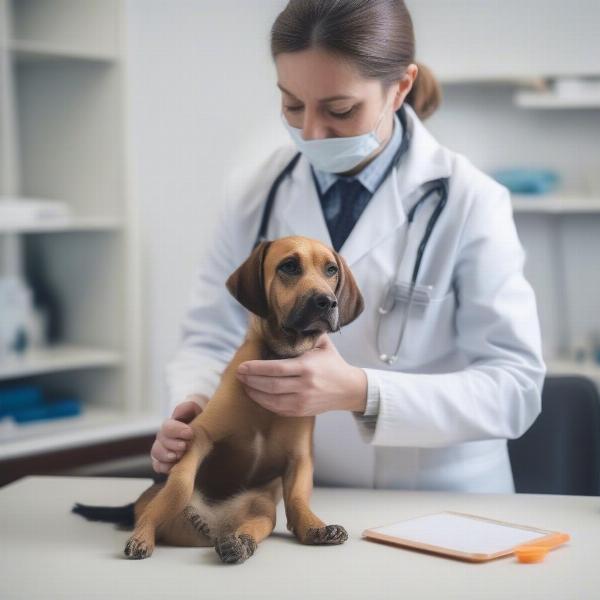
(330,534)
(137,547)
(234,549)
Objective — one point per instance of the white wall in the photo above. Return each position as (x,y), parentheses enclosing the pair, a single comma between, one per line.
(203,99)
(202,96)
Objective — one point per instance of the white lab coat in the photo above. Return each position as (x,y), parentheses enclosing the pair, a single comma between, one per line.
(470,370)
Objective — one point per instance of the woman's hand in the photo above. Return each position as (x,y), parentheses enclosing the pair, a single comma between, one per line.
(317,381)
(173,437)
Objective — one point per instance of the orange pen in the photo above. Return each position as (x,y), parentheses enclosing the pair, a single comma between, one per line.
(536,551)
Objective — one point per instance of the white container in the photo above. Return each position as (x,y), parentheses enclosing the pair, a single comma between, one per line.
(29,211)
(576,87)
(15,310)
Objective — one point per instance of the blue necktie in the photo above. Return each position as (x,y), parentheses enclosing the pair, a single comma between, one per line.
(340,222)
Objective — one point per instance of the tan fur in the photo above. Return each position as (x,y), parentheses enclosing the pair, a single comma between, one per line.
(244,458)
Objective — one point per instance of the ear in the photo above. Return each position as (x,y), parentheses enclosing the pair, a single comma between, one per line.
(246,283)
(350,300)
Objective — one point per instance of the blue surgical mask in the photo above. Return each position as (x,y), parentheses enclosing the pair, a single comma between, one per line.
(339,154)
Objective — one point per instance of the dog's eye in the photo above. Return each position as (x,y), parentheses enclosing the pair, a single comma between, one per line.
(290,267)
(332,270)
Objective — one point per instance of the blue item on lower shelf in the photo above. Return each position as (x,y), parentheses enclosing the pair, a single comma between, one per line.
(49,410)
(19,397)
(527,181)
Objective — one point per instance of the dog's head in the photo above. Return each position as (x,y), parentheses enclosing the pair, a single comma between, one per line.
(300,287)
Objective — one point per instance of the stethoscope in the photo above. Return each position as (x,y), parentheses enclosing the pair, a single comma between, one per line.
(395,290)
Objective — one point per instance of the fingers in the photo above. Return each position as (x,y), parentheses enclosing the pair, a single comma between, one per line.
(284,405)
(176,429)
(186,411)
(166,452)
(282,367)
(160,467)
(273,385)
(170,444)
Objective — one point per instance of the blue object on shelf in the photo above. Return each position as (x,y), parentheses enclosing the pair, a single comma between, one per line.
(527,181)
(19,397)
(49,410)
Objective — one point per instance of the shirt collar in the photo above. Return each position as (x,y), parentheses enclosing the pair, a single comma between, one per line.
(373,173)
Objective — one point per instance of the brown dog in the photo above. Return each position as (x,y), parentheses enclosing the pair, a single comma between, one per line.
(243,457)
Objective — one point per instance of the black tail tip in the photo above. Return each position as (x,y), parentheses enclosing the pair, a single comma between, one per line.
(123,515)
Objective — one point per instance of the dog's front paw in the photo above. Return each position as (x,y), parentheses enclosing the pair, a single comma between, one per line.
(138,547)
(330,534)
(233,549)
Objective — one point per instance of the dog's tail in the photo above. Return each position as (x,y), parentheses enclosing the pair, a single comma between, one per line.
(123,515)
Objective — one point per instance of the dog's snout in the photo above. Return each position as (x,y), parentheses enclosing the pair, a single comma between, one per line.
(323,302)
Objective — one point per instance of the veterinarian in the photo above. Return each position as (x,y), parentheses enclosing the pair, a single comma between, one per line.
(435,411)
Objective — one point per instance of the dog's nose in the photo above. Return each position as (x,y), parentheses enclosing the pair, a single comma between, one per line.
(321,303)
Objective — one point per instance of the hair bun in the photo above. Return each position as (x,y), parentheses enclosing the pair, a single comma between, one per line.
(425,95)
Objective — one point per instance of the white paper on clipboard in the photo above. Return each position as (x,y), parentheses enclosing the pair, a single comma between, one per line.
(456,533)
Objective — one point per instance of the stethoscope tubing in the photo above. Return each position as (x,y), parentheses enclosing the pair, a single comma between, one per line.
(440,185)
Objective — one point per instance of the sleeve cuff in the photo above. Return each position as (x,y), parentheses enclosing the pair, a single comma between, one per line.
(373,395)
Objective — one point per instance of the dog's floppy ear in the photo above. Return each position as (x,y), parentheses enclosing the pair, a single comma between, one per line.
(350,300)
(246,283)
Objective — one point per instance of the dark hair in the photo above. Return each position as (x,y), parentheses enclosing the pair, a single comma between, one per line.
(376,35)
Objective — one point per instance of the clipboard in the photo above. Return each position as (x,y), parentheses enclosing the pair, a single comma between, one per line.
(465,536)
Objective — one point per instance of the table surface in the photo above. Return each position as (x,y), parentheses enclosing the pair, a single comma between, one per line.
(48,552)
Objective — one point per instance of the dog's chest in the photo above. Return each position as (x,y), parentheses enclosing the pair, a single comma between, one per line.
(258,451)
(245,461)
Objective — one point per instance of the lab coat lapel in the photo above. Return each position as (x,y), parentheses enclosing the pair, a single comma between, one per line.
(424,160)
(383,214)
(303,215)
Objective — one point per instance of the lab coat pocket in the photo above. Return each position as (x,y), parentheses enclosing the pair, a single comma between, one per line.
(430,330)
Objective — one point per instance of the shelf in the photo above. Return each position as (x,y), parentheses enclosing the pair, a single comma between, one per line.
(550,100)
(57,358)
(74,224)
(555,204)
(30,51)
(507,80)
(93,425)
(63,134)
(571,367)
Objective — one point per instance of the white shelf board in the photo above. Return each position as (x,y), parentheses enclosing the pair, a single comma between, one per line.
(554,203)
(66,225)
(57,358)
(94,425)
(560,366)
(526,99)
(514,80)
(27,50)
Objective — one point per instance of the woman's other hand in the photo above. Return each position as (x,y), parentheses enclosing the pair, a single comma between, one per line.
(172,439)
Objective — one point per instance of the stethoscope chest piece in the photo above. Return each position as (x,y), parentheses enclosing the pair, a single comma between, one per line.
(390,360)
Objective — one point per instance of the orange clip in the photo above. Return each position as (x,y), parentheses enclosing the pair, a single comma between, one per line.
(536,551)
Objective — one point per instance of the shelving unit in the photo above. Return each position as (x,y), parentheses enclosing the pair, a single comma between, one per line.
(75,224)
(549,100)
(95,426)
(499,79)
(57,359)
(555,204)
(62,137)
(571,367)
